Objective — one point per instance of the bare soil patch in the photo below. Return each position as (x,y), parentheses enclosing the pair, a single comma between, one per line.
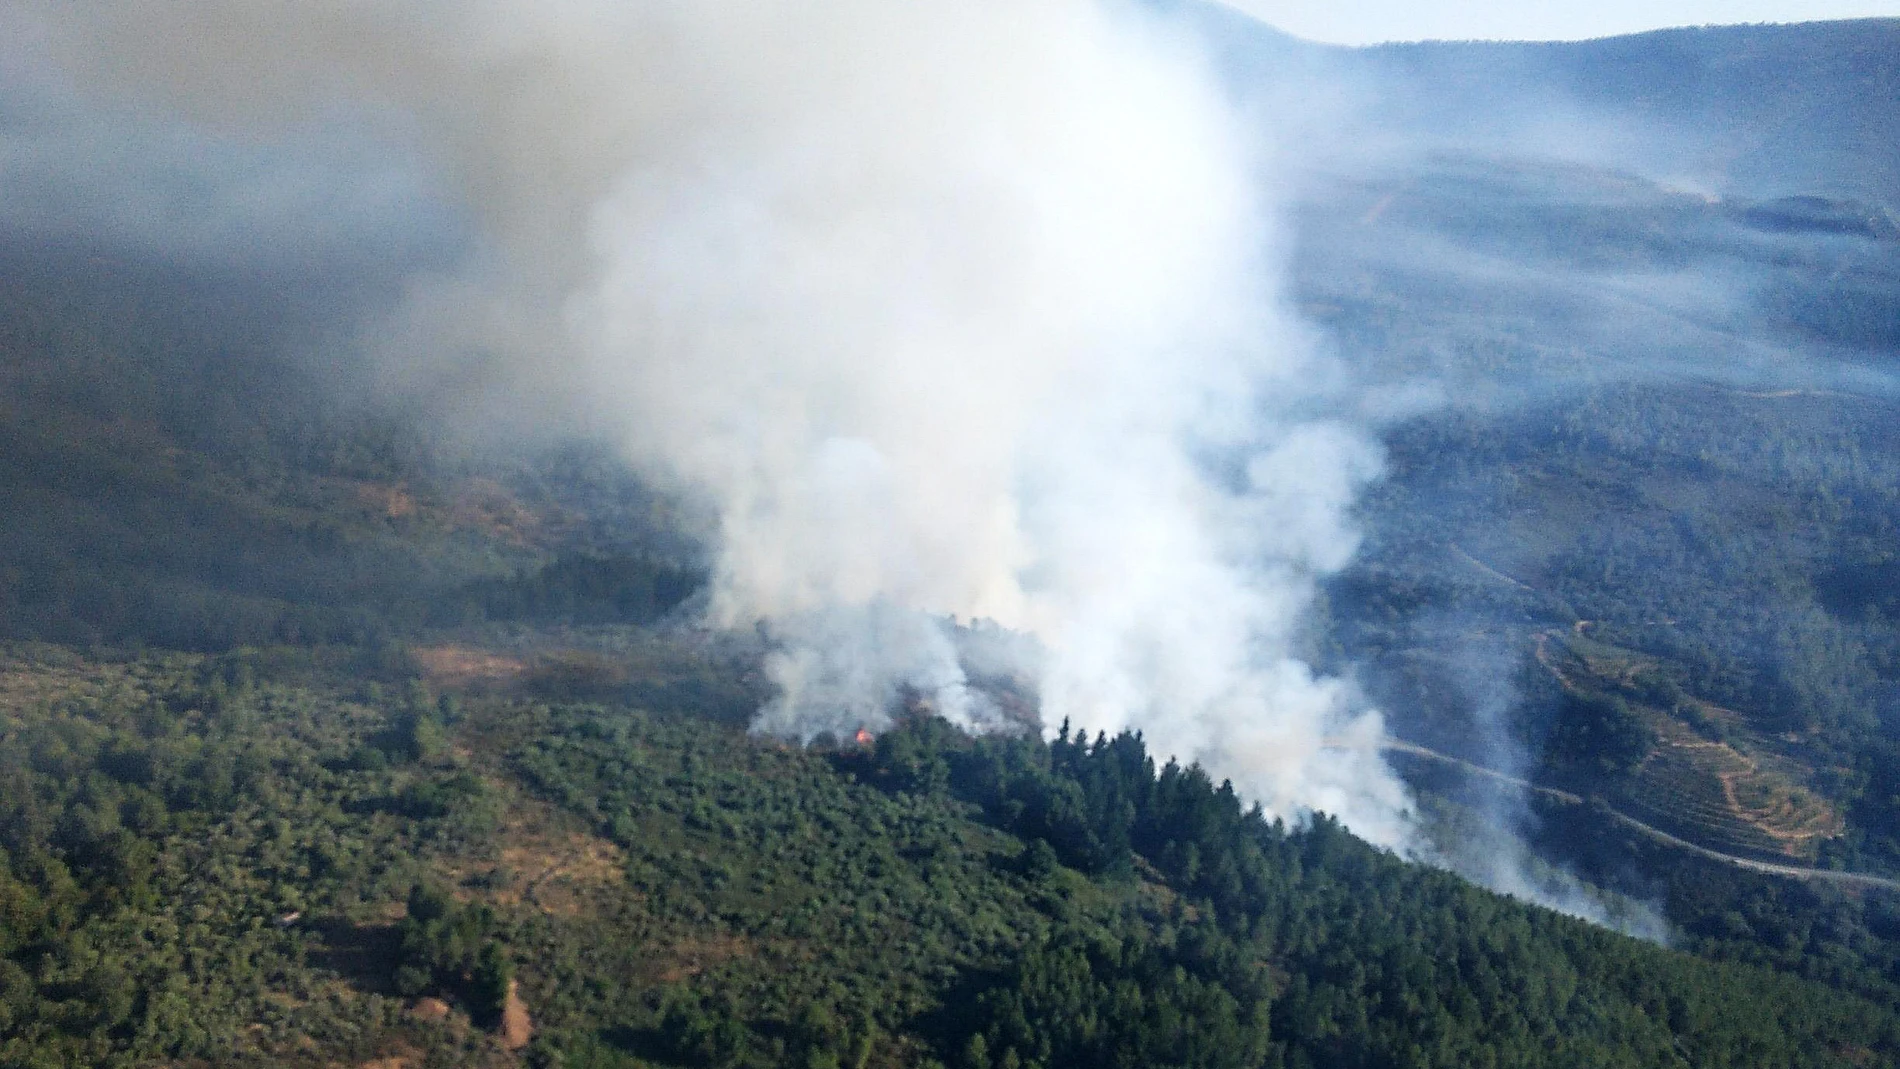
(461,667)
(516,1027)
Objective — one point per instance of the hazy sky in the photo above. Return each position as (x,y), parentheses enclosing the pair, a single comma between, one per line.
(1357,22)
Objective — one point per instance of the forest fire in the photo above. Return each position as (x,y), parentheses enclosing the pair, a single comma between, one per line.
(862,738)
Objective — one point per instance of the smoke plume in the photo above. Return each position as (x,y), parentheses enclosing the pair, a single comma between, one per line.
(956,309)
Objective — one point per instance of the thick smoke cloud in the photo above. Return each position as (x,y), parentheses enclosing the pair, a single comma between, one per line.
(944,309)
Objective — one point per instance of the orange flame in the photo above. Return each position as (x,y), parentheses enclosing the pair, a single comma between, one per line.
(863,737)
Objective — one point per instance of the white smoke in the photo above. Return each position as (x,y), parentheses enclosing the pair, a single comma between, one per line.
(945,307)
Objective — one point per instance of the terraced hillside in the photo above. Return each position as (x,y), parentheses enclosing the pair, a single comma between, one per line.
(1710,794)
(1703,775)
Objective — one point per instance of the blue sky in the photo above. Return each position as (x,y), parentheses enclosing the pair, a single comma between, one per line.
(1357,22)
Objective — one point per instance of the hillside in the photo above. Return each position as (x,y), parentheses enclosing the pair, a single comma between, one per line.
(1761,110)
(214,859)
(338,730)
(1664,494)
(267,858)
(1748,111)
(351,846)
(179,470)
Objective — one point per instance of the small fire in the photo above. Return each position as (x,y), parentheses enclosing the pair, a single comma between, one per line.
(862,738)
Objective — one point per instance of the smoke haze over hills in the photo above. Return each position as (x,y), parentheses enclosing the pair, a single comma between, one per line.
(942,311)
(958,312)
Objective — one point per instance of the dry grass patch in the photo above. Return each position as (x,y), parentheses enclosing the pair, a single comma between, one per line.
(692,955)
(31,677)
(486,506)
(539,859)
(460,667)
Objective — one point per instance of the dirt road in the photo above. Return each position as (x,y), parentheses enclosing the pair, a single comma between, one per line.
(1796,872)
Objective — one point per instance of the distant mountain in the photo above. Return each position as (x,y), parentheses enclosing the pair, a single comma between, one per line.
(1758,110)
(1761,110)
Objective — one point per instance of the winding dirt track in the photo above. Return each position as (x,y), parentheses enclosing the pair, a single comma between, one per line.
(1796,872)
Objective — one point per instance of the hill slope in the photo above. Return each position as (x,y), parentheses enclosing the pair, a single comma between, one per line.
(256,860)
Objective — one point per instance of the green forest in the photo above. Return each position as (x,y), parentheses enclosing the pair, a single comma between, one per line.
(277,856)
